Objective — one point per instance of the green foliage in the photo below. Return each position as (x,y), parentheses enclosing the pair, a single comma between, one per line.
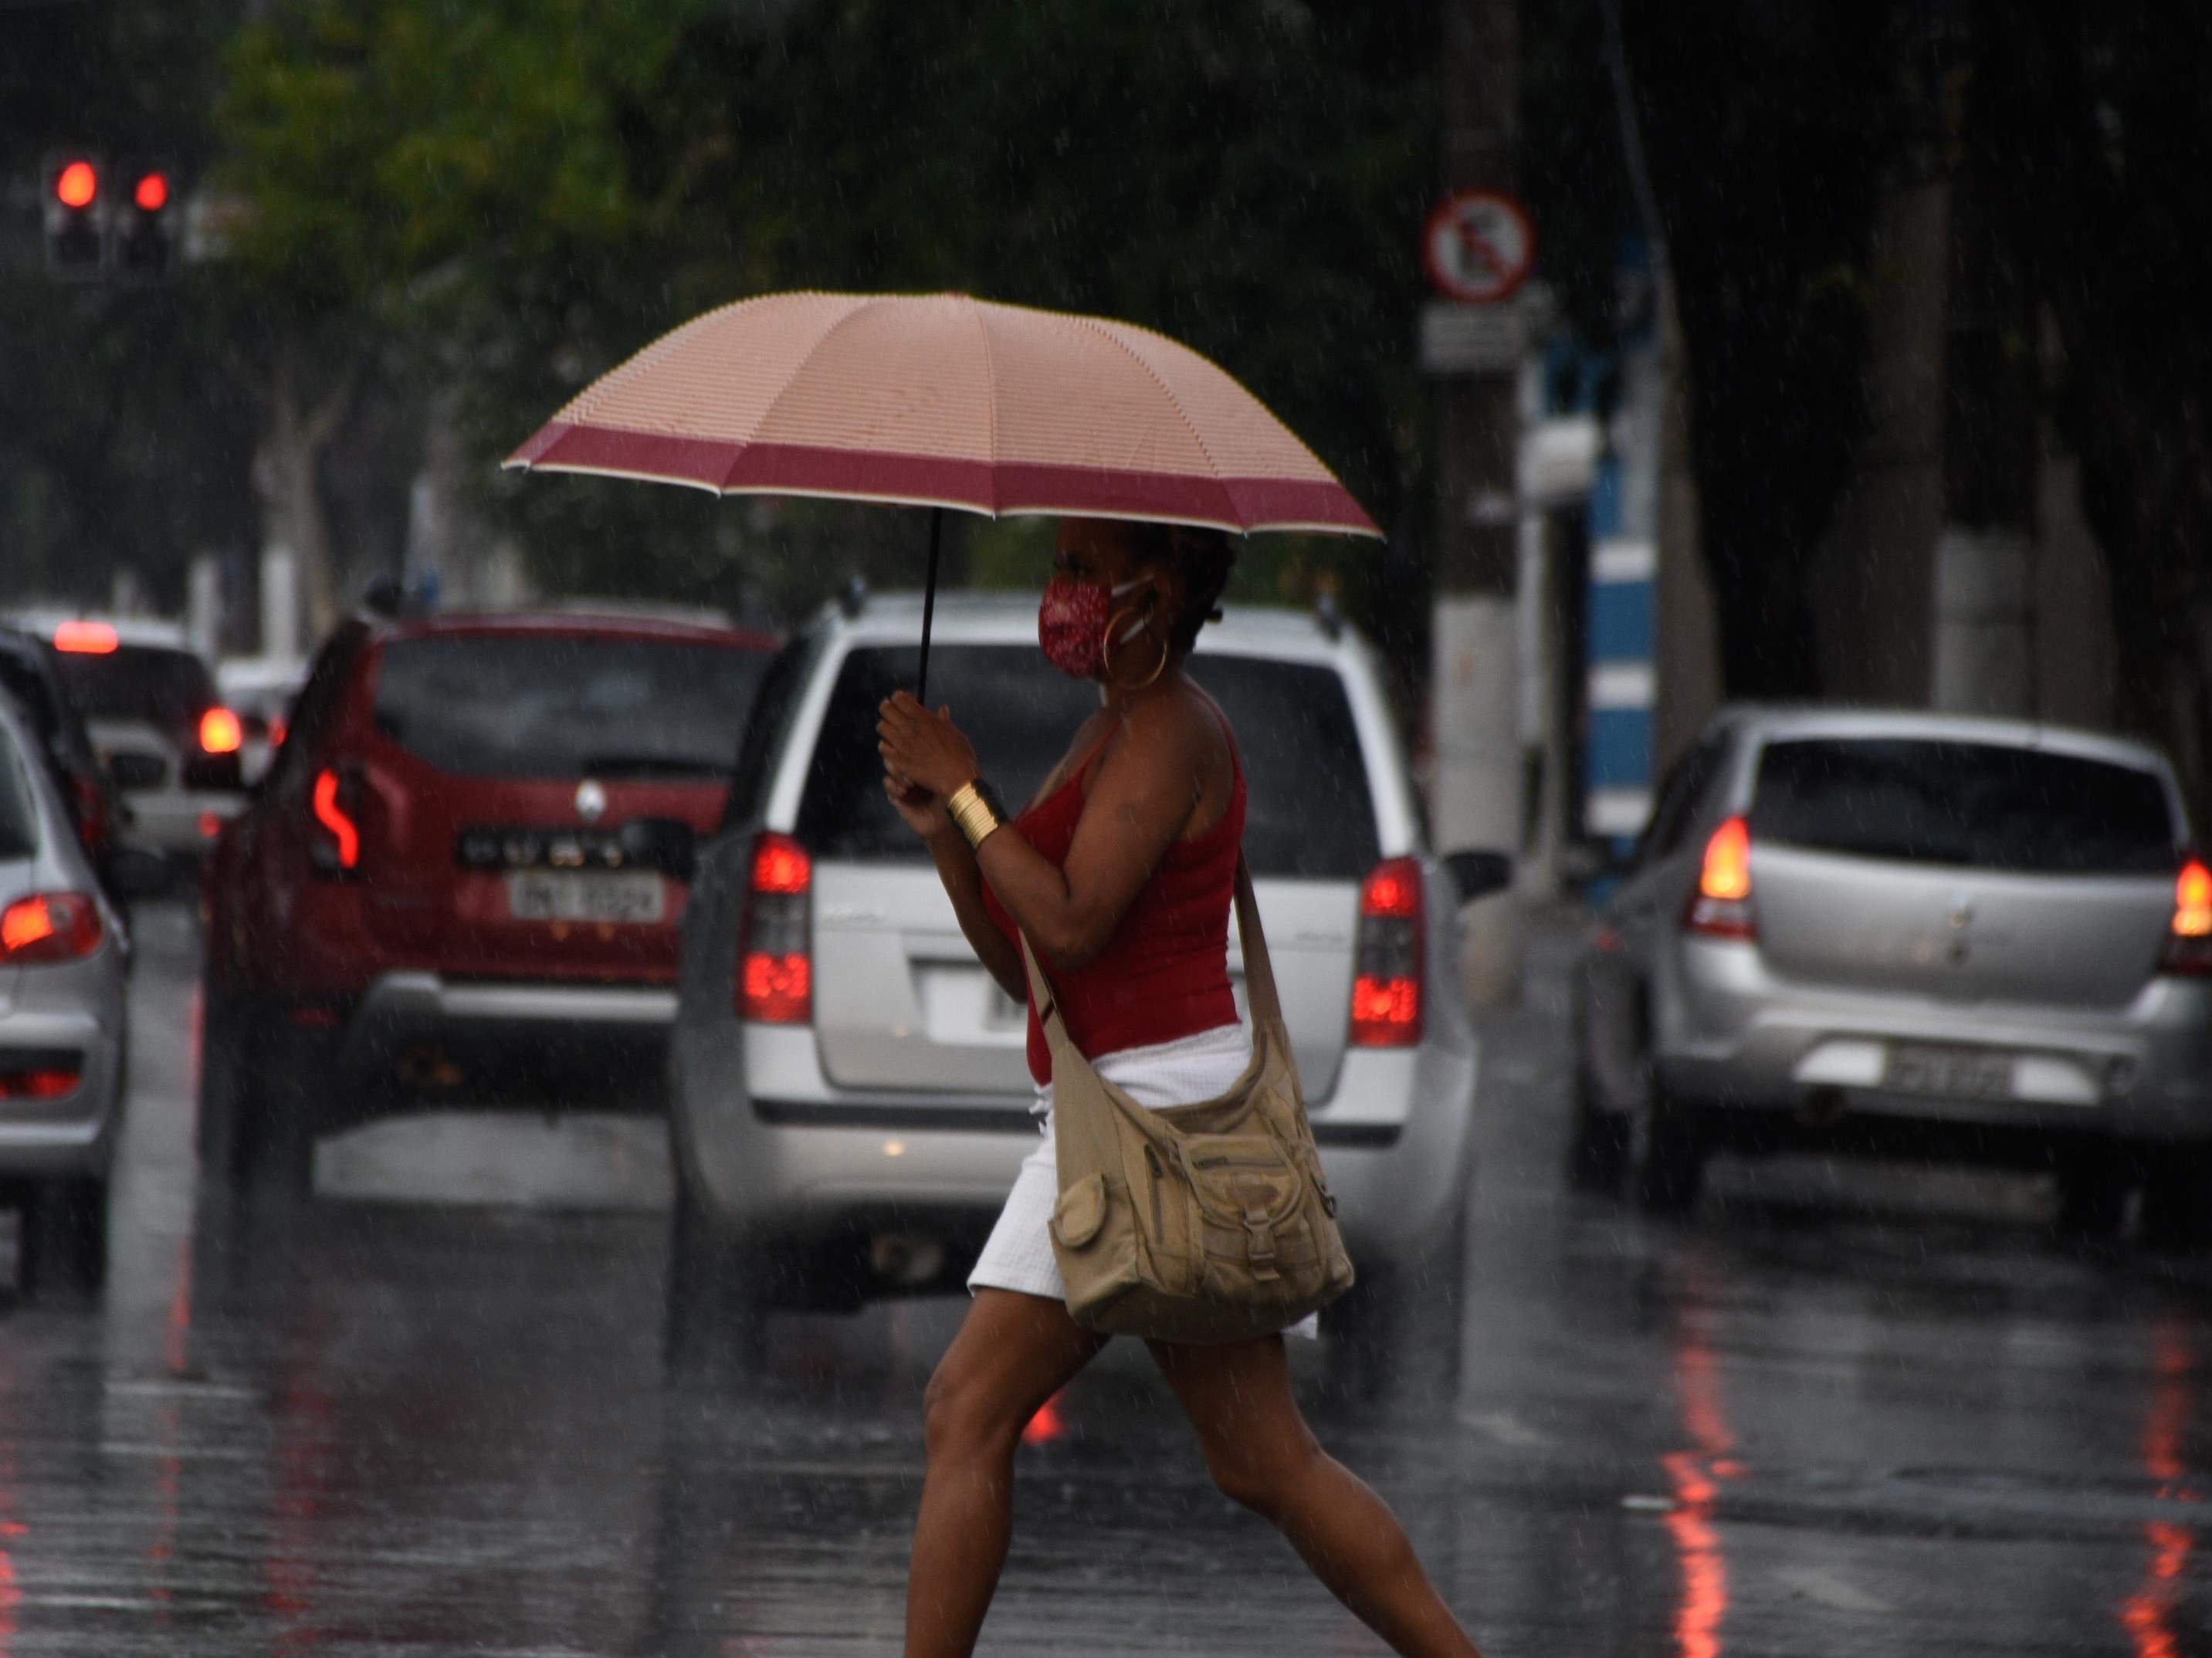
(527,192)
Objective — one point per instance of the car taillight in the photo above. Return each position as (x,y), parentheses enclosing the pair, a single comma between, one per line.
(47,928)
(775,968)
(2188,950)
(336,848)
(1721,907)
(221,732)
(1386,989)
(88,802)
(43,1083)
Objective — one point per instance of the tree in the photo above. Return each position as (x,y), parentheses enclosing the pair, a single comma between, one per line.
(523,193)
(2106,126)
(1767,128)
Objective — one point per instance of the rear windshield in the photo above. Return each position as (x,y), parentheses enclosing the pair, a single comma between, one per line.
(1976,805)
(567,706)
(146,683)
(1307,812)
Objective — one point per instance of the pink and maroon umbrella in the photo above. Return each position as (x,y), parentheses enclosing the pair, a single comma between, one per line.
(943,401)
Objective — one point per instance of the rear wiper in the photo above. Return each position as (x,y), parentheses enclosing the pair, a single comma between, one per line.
(651,765)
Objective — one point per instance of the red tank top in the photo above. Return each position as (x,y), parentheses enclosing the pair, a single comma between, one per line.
(1165,974)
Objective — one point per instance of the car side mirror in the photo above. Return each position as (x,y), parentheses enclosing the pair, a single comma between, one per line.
(1479,874)
(135,873)
(667,844)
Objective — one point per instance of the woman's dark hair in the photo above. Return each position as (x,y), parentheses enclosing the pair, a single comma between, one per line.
(1204,557)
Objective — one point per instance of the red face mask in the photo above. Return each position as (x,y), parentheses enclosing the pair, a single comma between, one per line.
(1072,624)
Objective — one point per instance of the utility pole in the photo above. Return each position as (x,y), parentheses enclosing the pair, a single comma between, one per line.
(1476,787)
(1985,610)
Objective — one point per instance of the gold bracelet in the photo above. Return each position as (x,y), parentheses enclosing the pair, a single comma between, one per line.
(974,811)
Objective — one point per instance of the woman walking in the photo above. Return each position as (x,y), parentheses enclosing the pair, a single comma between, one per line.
(1120,872)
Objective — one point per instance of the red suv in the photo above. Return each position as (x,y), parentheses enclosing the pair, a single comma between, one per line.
(461,877)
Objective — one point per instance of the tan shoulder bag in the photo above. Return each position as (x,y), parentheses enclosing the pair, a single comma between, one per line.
(1199,1224)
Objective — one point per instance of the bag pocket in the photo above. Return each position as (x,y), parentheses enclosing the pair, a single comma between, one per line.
(1080,1214)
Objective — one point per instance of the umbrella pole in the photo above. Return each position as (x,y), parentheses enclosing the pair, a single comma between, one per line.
(928,603)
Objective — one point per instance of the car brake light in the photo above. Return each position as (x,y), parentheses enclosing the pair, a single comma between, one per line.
(1721,907)
(1386,987)
(87,639)
(337,850)
(2189,937)
(47,928)
(220,732)
(775,968)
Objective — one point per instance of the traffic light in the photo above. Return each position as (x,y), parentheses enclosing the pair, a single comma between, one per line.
(75,216)
(145,221)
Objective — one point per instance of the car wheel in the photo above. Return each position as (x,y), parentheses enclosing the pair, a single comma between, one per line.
(1670,1156)
(2093,1193)
(1597,1153)
(221,1076)
(63,1241)
(719,1289)
(261,1117)
(1395,1333)
(2177,1198)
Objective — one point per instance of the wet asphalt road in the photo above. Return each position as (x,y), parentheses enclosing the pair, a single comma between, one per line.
(1855,1412)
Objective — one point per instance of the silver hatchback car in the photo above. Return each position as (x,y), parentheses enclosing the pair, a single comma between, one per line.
(1915,934)
(849,1094)
(63,960)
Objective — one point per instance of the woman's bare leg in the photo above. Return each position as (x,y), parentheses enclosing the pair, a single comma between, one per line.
(1013,1353)
(1260,1451)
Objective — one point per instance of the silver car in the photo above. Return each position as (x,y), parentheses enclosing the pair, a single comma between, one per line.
(151,707)
(1908,933)
(849,1093)
(63,960)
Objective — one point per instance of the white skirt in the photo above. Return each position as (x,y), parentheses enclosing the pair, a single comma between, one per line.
(1019,1254)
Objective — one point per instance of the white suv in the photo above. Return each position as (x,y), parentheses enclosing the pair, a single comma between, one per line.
(849,1093)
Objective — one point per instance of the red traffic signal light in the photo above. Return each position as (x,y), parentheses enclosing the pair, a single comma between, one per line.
(77,184)
(144,232)
(75,216)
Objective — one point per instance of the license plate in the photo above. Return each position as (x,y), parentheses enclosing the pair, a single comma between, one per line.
(538,894)
(1958,1073)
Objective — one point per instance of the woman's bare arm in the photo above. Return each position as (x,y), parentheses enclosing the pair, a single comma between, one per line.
(1147,789)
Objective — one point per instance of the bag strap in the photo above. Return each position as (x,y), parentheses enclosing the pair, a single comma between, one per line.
(1259,967)
(1260,992)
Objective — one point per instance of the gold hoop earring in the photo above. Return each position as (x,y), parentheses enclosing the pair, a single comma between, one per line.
(1106,654)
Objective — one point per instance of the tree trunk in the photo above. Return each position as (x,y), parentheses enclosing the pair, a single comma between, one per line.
(285,478)
(1984,610)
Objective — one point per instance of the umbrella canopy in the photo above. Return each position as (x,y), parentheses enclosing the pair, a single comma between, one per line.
(941,400)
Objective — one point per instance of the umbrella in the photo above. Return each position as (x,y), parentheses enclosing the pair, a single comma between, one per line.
(940,400)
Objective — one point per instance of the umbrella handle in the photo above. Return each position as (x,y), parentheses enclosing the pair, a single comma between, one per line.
(928,603)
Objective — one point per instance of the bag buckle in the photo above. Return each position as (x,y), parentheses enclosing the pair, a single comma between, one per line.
(1259,1244)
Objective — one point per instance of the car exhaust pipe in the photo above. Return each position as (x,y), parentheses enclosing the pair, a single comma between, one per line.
(427,1064)
(1823,1109)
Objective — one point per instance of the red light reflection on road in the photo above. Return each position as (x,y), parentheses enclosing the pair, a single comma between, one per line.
(1046,1426)
(2146,1614)
(1696,1475)
(11,1593)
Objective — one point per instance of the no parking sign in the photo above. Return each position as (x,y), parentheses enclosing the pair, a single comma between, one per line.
(1479,246)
